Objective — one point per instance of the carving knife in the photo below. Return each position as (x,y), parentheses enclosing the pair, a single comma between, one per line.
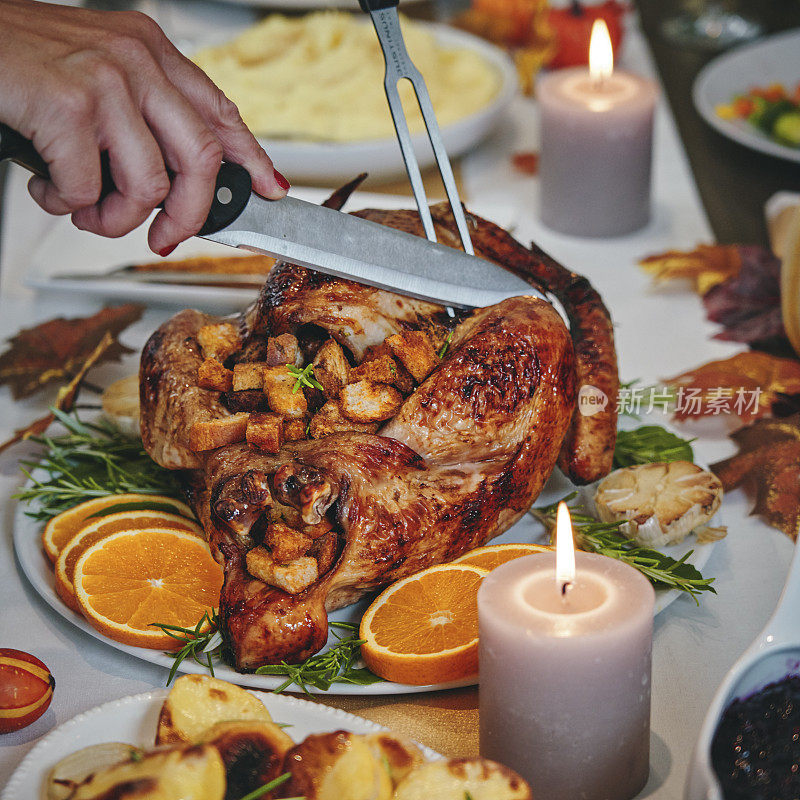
(327,240)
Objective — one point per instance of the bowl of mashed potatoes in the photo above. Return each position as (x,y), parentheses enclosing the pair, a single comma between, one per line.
(311,89)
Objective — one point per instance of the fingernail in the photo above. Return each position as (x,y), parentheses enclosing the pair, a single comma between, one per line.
(167,250)
(281,181)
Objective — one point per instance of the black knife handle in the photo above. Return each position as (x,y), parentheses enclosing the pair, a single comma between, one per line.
(376,5)
(232,191)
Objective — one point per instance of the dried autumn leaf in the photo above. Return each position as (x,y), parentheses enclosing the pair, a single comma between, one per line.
(59,348)
(748,305)
(66,395)
(767,466)
(746,384)
(706,265)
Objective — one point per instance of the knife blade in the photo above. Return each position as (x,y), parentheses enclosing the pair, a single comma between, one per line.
(357,249)
(327,240)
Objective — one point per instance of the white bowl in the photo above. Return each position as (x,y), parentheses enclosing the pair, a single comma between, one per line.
(326,162)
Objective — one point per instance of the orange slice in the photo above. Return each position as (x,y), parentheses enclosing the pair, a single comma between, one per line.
(101,527)
(131,579)
(63,527)
(424,629)
(494,555)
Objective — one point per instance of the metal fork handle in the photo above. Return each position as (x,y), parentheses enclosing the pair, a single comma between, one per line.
(399,66)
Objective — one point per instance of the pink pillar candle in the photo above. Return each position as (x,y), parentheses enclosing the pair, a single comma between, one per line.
(595,152)
(565,678)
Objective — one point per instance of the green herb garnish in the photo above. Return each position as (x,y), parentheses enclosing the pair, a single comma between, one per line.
(335,665)
(606,539)
(267,787)
(443,348)
(90,460)
(305,377)
(200,643)
(650,444)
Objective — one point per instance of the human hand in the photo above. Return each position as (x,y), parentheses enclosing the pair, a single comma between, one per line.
(80,82)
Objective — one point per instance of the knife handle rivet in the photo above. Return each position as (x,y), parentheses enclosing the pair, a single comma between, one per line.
(224,195)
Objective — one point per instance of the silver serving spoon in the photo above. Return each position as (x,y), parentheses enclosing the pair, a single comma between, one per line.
(771,657)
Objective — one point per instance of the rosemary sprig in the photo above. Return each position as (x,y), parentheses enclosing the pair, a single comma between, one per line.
(605,538)
(200,643)
(267,787)
(335,665)
(305,377)
(649,444)
(90,460)
(443,349)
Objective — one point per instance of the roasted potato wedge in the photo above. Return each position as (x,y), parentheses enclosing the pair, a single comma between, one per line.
(72,770)
(196,702)
(458,778)
(186,772)
(252,752)
(398,755)
(337,766)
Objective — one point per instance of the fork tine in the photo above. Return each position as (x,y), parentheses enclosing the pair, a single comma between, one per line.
(412,167)
(399,66)
(442,161)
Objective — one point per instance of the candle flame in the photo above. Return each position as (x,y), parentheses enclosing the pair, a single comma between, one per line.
(601,54)
(565,549)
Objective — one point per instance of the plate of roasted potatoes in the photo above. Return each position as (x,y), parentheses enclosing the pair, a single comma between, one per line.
(206,739)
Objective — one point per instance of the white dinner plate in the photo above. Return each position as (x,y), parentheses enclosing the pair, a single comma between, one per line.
(775,59)
(38,570)
(326,162)
(133,720)
(66,250)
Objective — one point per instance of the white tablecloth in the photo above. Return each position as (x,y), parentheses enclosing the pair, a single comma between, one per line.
(660,333)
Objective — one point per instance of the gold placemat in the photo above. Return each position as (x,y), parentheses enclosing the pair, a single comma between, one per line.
(444,721)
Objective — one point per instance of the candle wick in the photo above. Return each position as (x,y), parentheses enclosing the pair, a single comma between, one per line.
(564,586)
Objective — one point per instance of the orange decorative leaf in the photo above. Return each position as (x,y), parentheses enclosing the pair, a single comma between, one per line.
(66,395)
(746,384)
(58,349)
(767,466)
(705,266)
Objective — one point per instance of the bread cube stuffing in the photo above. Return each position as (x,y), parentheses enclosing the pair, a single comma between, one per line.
(265,432)
(329,419)
(331,368)
(211,374)
(218,432)
(292,577)
(324,550)
(285,543)
(384,369)
(415,352)
(279,387)
(283,349)
(367,401)
(219,340)
(294,430)
(248,376)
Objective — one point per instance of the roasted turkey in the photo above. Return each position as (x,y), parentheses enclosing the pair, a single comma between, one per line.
(466,452)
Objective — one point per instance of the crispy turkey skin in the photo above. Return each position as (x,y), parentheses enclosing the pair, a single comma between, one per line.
(462,459)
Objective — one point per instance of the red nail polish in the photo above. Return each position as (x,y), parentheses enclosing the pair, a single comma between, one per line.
(167,250)
(281,181)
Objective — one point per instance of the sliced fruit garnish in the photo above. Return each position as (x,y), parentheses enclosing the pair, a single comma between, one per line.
(130,580)
(424,629)
(97,528)
(493,555)
(63,527)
